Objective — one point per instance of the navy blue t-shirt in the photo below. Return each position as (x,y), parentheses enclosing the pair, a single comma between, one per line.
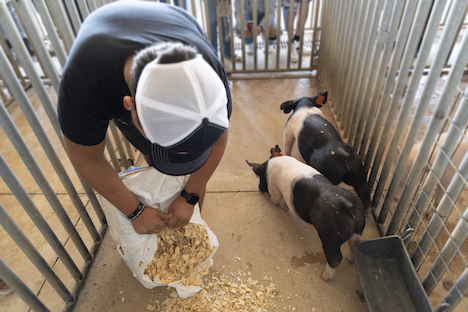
(93,86)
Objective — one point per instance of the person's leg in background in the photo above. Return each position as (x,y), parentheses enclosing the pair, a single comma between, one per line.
(297,30)
(213,22)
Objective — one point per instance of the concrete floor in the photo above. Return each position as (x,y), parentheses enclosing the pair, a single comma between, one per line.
(248,226)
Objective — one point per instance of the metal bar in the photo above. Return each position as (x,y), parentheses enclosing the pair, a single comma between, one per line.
(20,288)
(110,150)
(374,88)
(33,254)
(458,290)
(356,60)
(43,139)
(59,15)
(404,110)
(22,53)
(442,212)
(402,37)
(315,37)
(51,31)
(266,34)
(23,198)
(83,7)
(368,48)
(344,62)
(118,143)
(73,14)
(460,120)
(254,31)
(410,49)
(24,10)
(437,65)
(20,145)
(448,253)
(278,33)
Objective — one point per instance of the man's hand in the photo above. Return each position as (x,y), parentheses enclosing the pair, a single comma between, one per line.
(151,221)
(181,212)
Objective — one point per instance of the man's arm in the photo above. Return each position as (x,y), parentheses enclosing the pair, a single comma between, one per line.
(91,164)
(181,210)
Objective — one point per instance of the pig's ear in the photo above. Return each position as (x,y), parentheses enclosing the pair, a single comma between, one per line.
(275,151)
(288,106)
(254,166)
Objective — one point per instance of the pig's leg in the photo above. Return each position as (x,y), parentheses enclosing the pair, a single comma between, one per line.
(288,140)
(275,194)
(333,255)
(329,273)
(353,241)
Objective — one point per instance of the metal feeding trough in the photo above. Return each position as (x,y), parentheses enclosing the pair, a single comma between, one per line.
(388,278)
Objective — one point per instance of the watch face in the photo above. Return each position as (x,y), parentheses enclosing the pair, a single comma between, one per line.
(191,198)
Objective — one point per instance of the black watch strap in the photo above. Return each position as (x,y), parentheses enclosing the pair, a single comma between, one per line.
(137,212)
(191,198)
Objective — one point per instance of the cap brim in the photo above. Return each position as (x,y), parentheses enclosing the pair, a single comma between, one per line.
(176,164)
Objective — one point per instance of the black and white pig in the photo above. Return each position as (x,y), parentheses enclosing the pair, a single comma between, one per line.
(337,214)
(310,138)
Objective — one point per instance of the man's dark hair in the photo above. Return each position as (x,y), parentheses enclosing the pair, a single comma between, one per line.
(164,52)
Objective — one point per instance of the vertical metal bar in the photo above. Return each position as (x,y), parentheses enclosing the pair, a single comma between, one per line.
(360,39)
(428,40)
(22,7)
(20,288)
(242,30)
(303,21)
(41,135)
(278,32)
(452,247)
(290,29)
(83,6)
(442,212)
(27,64)
(254,30)
(51,31)
(460,120)
(110,150)
(436,68)
(266,35)
(59,15)
(369,43)
(118,143)
(410,49)
(403,34)
(73,15)
(22,196)
(92,5)
(347,36)
(131,155)
(315,37)
(377,76)
(458,290)
(31,252)
(20,145)
(332,47)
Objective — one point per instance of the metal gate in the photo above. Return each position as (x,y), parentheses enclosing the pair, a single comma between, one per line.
(396,76)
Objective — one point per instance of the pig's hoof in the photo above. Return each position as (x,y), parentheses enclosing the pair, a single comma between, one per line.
(350,257)
(325,277)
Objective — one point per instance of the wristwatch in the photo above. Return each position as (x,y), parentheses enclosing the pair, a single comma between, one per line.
(191,198)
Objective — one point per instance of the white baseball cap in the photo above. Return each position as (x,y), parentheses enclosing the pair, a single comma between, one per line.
(182,108)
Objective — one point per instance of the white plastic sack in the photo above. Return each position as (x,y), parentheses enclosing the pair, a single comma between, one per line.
(154,189)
